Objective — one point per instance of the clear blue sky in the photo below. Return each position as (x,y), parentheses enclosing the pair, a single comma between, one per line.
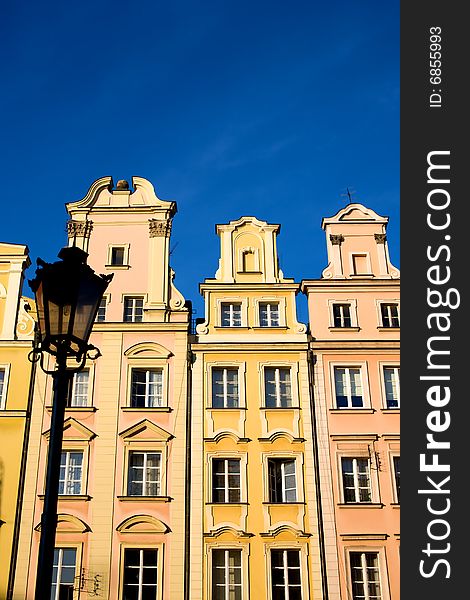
(264,108)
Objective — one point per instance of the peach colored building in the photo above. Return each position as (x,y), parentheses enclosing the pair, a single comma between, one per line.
(121,531)
(354,319)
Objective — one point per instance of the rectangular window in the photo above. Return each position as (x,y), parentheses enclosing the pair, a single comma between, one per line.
(133,309)
(146,388)
(101,314)
(282,480)
(225,388)
(285,575)
(140,581)
(3,384)
(226,480)
(117,255)
(396,472)
(356,480)
(78,391)
(392,386)
(63,574)
(231,314)
(144,474)
(390,315)
(360,264)
(277,386)
(365,576)
(348,387)
(342,315)
(226,575)
(71,471)
(269,314)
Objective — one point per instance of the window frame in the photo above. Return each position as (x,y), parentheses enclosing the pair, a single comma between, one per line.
(59,545)
(352,303)
(125,258)
(352,264)
(227,585)
(160,547)
(67,451)
(364,375)
(241,367)
(127,297)
(71,395)
(298,458)
(395,480)
(387,302)
(157,363)
(302,548)
(243,458)
(244,548)
(382,570)
(231,317)
(144,482)
(106,299)
(147,370)
(356,473)
(150,446)
(4,390)
(281,461)
(293,392)
(225,383)
(396,367)
(243,301)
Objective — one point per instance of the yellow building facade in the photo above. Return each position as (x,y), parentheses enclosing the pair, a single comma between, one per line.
(254,513)
(122,500)
(16,336)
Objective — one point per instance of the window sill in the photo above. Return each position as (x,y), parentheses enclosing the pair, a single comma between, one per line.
(350,411)
(347,329)
(154,409)
(144,498)
(227,504)
(70,497)
(279,407)
(268,327)
(85,409)
(227,408)
(118,267)
(361,505)
(388,328)
(4,412)
(393,411)
(231,327)
(395,504)
(297,503)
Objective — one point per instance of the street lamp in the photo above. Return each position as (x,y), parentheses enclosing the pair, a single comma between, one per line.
(68,294)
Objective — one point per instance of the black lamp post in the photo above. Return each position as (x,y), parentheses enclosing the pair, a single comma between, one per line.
(68,294)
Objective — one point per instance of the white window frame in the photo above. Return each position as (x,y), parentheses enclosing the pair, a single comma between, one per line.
(151,447)
(224,370)
(393,471)
(160,551)
(269,309)
(226,474)
(379,552)
(243,458)
(125,260)
(364,375)
(231,313)
(145,482)
(154,369)
(73,389)
(352,303)
(357,488)
(379,303)
(60,546)
(302,548)
(284,489)
(227,545)
(243,301)
(280,301)
(106,299)
(396,368)
(227,585)
(127,297)
(241,367)
(298,457)
(277,380)
(67,481)
(4,389)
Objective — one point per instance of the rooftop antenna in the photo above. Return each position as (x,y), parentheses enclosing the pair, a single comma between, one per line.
(349,193)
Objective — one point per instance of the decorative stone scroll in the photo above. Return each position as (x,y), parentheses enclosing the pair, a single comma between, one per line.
(159,228)
(80,228)
(380,238)
(336,240)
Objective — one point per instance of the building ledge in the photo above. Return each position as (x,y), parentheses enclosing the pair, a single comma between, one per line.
(350,411)
(395,329)
(154,409)
(85,409)
(395,505)
(343,329)
(13,413)
(390,411)
(144,498)
(361,505)
(70,497)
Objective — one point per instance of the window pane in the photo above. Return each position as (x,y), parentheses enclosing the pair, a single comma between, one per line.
(392,386)
(101,314)
(117,256)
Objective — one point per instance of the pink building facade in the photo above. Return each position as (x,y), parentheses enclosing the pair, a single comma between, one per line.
(354,314)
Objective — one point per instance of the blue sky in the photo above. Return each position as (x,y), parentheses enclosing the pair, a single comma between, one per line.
(264,108)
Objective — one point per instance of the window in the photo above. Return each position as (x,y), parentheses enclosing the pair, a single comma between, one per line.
(78,391)
(225,392)
(389,314)
(269,314)
(140,580)
(117,255)
(348,387)
(360,264)
(3,387)
(226,480)
(285,575)
(71,468)
(101,314)
(396,471)
(226,575)
(144,474)
(146,388)
(231,314)
(282,481)
(356,480)
(365,576)
(392,386)
(342,315)
(277,386)
(63,573)
(133,309)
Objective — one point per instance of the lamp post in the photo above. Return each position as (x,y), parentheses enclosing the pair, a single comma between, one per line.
(68,294)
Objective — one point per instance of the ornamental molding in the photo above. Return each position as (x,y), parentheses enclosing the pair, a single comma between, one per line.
(336,239)
(380,238)
(81,228)
(159,228)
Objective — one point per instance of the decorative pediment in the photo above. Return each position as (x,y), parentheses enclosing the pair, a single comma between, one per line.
(74,431)
(68,524)
(228,434)
(284,528)
(143,524)
(145,430)
(355,212)
(279,435)
(238,533)
(148,350)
